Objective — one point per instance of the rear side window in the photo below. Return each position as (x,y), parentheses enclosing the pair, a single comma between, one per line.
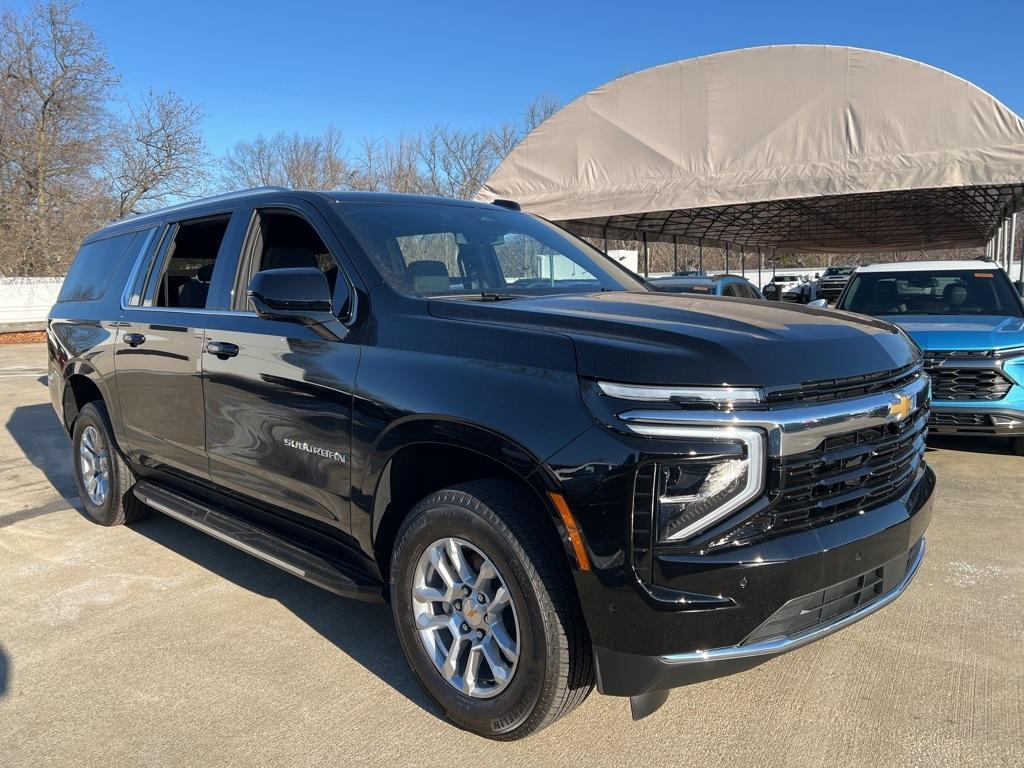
(184,280)
(94,265)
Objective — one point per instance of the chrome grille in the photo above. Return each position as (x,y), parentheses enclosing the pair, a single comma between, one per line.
(845,474)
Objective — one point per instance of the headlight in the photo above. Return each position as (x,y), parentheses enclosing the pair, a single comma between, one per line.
(696,492)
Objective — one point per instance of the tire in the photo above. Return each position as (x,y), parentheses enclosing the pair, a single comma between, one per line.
(554,670)
(118,504)
(1017,445)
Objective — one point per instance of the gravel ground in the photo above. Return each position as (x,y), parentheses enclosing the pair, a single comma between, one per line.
(156,645)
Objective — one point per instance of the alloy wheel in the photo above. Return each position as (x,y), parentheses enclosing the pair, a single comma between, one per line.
(466,618)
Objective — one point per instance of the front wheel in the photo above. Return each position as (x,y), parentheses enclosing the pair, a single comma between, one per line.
(486,613)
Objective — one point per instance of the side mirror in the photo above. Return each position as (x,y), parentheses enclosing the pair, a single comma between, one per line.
(300,295)
(818,304)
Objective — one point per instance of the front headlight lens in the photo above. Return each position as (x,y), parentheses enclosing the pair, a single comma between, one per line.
(695,493)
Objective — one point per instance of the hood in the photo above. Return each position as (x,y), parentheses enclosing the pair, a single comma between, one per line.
(673,339)
(975,332)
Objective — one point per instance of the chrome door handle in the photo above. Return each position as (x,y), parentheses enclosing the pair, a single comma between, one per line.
(134,339)
(222,349)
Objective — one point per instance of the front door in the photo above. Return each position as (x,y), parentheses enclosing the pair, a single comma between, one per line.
(279,396)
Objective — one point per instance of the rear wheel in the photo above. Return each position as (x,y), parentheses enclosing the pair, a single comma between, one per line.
(486,613)
(103,477)
(1017,445)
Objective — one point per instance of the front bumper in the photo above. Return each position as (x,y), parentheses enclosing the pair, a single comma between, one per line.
(692,642)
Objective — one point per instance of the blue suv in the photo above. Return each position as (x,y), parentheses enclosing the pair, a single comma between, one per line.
(968,319)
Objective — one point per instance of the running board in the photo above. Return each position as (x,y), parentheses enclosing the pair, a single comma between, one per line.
(258,542)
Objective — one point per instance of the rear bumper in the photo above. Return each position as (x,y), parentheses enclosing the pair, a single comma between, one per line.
(842,573)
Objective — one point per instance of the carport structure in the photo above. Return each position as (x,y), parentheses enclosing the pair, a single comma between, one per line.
(803,148)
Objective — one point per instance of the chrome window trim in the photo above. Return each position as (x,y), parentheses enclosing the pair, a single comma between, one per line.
(782,645)
(142,257)
(792,429)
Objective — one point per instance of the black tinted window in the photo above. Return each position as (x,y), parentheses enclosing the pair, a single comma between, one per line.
(93,267)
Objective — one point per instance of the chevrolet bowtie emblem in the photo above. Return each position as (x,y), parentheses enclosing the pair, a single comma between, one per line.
(901,408)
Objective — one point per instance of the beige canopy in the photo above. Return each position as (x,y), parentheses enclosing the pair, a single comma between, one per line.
(805,147)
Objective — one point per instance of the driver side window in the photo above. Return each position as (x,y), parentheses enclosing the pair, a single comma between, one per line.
(284,240)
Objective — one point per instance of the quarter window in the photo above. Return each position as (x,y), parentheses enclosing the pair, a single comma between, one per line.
(94,266)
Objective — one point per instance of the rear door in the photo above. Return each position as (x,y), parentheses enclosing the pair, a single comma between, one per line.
(279,407)
(159,348)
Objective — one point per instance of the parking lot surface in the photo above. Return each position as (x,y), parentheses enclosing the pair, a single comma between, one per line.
(157,645)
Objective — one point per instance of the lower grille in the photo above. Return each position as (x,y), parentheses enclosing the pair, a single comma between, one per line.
(967,383)
(826,606)
(960,420)
(847,473)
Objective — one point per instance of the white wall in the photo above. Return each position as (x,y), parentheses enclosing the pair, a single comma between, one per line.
(27,299)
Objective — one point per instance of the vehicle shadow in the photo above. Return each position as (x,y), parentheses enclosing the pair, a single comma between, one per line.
(41,438)
(363,631)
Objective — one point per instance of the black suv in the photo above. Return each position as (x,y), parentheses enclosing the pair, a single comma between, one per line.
(555,475)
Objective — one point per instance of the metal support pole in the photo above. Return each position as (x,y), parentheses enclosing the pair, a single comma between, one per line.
(605,232)
(1001,255)
(700,254)
(726,258)
(1014,241)
(675,255)
(759,260)
(1011,249)
(647,261)
(743,261)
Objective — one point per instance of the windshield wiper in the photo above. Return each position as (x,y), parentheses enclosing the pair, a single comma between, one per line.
(490,296)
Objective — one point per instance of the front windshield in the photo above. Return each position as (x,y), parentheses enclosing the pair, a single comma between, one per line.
(433,249)
(938,292)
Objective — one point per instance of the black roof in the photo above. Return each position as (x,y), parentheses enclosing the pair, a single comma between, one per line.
(210,204)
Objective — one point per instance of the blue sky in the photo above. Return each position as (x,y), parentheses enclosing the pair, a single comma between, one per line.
(378,68)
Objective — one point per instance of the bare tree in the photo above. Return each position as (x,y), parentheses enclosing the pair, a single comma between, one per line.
(290,160)
(158,153)
(54,124)
(540,109)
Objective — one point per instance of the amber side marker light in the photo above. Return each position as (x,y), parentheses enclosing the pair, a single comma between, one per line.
(574,530)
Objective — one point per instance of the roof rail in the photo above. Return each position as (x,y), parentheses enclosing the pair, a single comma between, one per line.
(202,200)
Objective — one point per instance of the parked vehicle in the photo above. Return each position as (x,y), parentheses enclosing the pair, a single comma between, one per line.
(555,475)
(832,282)
(968,319)
(786,288)
(733,286)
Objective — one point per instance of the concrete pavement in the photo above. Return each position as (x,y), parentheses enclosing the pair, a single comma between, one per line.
(156,645)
